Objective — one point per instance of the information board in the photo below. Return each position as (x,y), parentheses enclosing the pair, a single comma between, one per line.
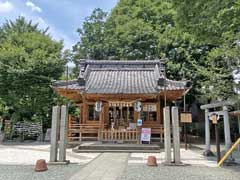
(139,122)
(186,117)
(146,134)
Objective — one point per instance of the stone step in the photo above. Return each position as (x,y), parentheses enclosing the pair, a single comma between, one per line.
(91,147)
(115,151)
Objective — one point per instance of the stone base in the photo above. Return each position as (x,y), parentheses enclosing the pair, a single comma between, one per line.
(174,164)
(208,153)
(59,162)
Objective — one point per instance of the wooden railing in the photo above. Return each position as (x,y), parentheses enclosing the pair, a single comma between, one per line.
(79,132)
(158,130)
(120,135)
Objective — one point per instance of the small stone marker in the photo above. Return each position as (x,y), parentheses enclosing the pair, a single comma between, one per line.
(41,165)
(152,161)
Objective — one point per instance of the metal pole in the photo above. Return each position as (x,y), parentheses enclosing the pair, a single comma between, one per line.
(165,84)
(66,81)
(185,135)
(185,124)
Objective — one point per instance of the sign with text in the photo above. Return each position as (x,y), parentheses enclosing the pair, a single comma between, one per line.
(139,122)
(146,134)
(150,107)
(186,117)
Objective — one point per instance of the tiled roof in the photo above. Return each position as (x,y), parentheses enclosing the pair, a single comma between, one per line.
(121,81)
(121,77)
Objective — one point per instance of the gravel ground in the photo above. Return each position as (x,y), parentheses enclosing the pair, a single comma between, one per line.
(26,172)
(143,172)
(17,163)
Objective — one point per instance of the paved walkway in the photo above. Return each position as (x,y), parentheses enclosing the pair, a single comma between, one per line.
(107,166)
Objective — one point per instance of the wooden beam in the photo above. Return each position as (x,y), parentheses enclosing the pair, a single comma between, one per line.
(120,97)
(172,95)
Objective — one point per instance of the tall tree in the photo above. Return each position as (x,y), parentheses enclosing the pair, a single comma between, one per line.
(215,24)
(29,61)
(143,30)
(199,38)
(92,35)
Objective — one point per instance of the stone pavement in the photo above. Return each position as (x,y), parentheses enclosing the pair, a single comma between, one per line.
(28,154)
(108,166)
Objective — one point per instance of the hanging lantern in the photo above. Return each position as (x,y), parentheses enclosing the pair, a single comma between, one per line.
(98,106)
(138,106)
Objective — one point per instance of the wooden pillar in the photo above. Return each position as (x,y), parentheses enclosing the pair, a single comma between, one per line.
(81,113)
(85,110)
(84,113)
(127,116)
(135,116)
(114,115)
(106,113)
(121,115)
(158,110)
(161,111)
(103,116)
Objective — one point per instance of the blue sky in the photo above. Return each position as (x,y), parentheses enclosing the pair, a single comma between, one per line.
(63,17)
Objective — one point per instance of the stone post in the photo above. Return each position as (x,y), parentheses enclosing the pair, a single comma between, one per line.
(54,133)
(176,135)
(63,134)
(227,134)
(207,151)
(167,135)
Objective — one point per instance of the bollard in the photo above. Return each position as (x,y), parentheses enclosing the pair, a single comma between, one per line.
(41,165)
(152,161)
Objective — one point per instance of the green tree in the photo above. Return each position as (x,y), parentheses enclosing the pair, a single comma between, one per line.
(144,29)
(29,60)
(215,24)
(200,39)
(92,35)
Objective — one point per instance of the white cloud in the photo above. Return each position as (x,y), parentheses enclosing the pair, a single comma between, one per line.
(33,6)
(6,7)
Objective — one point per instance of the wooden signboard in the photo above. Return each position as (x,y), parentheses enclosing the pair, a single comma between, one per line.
(150,107)
(186,117)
